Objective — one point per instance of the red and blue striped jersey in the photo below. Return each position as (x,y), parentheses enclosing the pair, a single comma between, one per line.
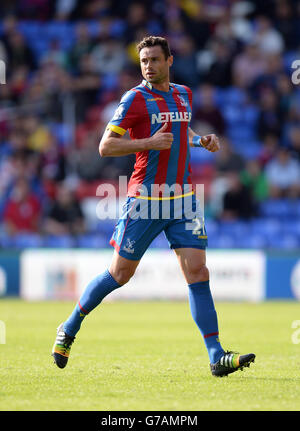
(142,111)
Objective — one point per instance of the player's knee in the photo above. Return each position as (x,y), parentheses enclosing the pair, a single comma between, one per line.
(198,273)
(123,275)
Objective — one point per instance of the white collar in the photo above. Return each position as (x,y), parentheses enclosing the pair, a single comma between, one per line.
(147,84)
(150,86)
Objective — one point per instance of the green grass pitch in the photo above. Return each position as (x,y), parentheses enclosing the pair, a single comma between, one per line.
(148,356)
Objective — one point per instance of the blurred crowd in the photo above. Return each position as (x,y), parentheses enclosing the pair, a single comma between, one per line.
(68,62)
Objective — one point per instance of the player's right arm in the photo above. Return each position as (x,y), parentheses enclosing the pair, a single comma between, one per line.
(113,144)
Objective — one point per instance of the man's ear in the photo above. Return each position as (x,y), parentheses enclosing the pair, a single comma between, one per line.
(170,60)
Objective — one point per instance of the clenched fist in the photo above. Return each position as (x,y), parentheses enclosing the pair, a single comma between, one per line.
(210,143)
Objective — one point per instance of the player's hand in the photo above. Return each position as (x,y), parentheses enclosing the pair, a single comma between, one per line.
(210,143)
(162,140)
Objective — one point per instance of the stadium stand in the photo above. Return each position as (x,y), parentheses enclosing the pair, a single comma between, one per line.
(68,63)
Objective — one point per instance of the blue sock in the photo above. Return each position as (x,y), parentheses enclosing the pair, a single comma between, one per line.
(205,317)
(95,291)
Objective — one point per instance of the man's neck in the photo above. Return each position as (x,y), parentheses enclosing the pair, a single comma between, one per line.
(162,87)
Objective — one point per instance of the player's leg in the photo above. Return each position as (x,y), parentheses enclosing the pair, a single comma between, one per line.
(118,274)
(193,265)
(187,236)
(131,238)
(122,269)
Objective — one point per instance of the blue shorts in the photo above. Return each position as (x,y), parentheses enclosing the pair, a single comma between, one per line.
(141,222)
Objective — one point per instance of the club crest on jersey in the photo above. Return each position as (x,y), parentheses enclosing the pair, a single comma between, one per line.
(165,117)
(182,101)
(129,246)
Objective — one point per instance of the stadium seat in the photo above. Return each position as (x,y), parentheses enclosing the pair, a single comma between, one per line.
(25,240)
(118,28)
(252,242)
(31,30)
(201,156)
(212,227)
(39,46)
(6,241)
(249,150)
(92,241)
(230,96)
(267,228)
(58,30)
(284,242)
(276,208)
(221,241)
(93,28)
(292,208)
(291,226)
(232,115)
(110,81)
(62,132)
(64,241)
(236,229)
(297,208)
(241,133)
(89,207)
(250,115)
(245,115)
(106,227)
(154,27)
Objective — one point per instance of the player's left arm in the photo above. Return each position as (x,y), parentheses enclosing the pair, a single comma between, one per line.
(209,142)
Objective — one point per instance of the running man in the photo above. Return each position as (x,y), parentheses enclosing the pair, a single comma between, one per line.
(157,115)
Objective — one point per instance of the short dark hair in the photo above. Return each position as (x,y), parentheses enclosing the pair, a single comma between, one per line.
(155,41)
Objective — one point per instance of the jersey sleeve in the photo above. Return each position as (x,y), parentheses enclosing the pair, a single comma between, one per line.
(126,115)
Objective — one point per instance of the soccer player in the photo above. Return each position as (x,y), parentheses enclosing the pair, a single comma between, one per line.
(157,115)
